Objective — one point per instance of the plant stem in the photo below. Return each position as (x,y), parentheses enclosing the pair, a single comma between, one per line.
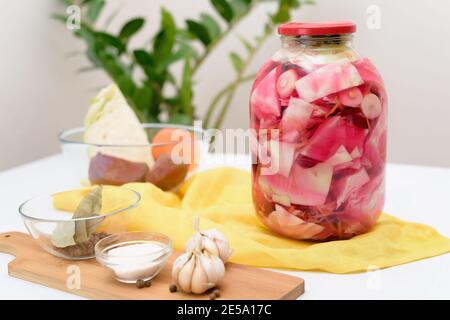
(230,28)
(221,94)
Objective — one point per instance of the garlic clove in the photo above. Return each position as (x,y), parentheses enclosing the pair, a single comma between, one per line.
(199,282)
(185,276)
(213,267)
(221,242)
(209,246)
(179,264)
(219,269)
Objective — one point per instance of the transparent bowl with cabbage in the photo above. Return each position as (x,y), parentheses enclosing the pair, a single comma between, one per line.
(114,148)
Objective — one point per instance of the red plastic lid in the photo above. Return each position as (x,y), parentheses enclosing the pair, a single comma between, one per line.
(316,28)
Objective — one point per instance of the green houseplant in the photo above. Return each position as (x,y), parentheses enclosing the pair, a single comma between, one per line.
(147,93)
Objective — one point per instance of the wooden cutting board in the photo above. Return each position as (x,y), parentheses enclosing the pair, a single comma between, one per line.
(33,264)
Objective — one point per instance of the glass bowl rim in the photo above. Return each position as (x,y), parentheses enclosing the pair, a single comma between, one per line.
(63,136)
(21,208)
(167,248)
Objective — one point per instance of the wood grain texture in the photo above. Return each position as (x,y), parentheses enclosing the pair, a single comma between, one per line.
(33,264)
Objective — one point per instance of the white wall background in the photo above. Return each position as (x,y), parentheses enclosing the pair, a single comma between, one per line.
(41,93)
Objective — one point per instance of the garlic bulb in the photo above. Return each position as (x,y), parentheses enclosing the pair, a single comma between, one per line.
(197,271)
(212,241)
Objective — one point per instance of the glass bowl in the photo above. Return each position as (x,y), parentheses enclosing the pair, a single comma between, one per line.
(165,164)
(134,256)
(48,219)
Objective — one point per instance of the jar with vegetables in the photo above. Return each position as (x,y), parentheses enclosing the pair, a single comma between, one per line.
(318,114)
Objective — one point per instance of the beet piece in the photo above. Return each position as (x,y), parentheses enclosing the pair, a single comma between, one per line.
(306,162)
(265,69)
(264,99)
(104,169)
(165,174)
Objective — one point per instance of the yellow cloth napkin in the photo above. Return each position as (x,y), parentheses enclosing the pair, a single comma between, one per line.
(222,198)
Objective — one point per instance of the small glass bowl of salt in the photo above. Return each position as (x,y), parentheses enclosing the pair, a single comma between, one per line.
(134,256)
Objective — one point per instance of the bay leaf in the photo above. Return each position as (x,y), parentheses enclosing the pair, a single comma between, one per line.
(63,234)
(89,206)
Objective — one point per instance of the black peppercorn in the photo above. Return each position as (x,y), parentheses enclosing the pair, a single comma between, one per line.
(173,288)
(140,284)
(212,296)
(216,292)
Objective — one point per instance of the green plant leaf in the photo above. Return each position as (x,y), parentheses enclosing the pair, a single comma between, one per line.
(143,58)
(148,97)
(199,31)
(181,119)
(211,25)
(110,40)
(239,7)
(224,9)
(186,89)
(191,51)
(89,36)
(237,61)
(94,9)
(143,98)
(130,28)
(182,53)
(149,66)
(165,39)
(284,11)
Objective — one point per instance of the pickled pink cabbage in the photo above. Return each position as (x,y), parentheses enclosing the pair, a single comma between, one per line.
(320,176)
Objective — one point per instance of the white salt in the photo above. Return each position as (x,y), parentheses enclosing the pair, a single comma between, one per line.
(136,260)
(138,249)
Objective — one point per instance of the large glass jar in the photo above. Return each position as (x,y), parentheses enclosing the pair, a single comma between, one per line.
(318,114)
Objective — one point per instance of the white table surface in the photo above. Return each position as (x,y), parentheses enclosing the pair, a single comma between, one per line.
(414,193)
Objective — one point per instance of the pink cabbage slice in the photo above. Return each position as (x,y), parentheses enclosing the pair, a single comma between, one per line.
(269,123)
(375,146)
(264,100)
(355,164)
(370,75)
(280,157)
(286,223)
(368,72)
(328,137)
(341,156)
(262,73)
(304,186)
(355,137)
(331,135)
(328,79)
(366,204)
(295,119)
(356,153)
(349,184)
